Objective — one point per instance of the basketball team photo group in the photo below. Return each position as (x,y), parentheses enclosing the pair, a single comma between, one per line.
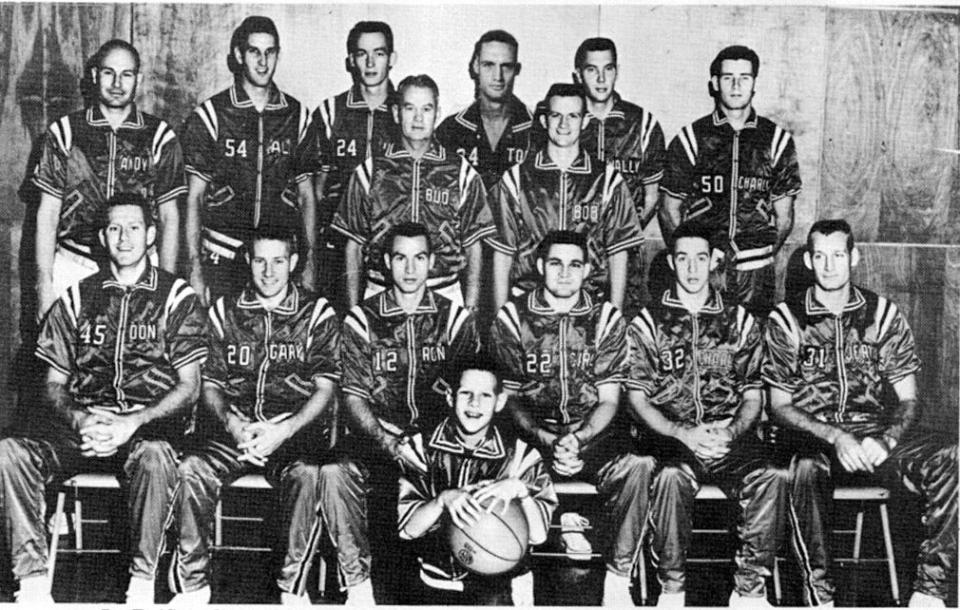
(429,352)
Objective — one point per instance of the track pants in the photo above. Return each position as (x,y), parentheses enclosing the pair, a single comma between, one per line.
(924,463)
(623,480)
(743,474)
(147,470)
(312,495)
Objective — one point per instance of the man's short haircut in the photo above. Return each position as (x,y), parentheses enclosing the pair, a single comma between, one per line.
(733,53)
(494,36)
(112,45)
(481,361)
(692,229)
(406,229)
(591,45)
(369,27)
(555,238)
(254,24)
(829,226)
(271,232)
(416,80)
(127,199)
(563,90)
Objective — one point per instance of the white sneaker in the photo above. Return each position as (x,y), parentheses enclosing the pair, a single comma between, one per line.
(922,600)
(616,591)
(576,545)
(522,590)
(749,603)
(200,597)
(140,592)
(360,595)
(292,599)
(672,600)
(35,591)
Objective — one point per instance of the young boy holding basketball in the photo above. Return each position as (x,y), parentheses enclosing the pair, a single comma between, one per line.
(472,469)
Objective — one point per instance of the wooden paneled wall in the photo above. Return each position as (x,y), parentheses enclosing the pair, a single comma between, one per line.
(870,95)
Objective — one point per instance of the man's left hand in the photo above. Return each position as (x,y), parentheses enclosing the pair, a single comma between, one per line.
(265,438)
(107,432)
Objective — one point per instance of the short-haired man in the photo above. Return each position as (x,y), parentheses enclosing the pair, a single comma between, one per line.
(627,135)
(736,172)
(493,132)
(416,180)
(245,164)
(831,352)
(396,350)
(562,187)
(564,357)
(695,383)
(472,460)
(345,131)
(88,156)
(124,349)
(270,378)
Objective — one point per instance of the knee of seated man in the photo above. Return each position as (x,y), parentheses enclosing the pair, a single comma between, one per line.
(153,457)
(13,453)
(303,473)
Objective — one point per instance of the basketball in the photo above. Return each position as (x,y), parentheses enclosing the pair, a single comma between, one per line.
(495,545)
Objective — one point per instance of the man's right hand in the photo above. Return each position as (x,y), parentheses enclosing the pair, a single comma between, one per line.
(853,457)
(236,426)
(463,508)
(199,285)
(703,442)
(46,297)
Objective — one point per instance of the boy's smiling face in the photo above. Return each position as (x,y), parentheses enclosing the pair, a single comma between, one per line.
(477,400)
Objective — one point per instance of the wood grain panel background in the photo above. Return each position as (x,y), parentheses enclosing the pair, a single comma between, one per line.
(869,94)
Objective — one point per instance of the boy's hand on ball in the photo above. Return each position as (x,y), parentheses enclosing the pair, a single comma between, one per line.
(463,508)
(501,492)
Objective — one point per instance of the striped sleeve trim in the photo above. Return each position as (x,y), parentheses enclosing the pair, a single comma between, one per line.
(884,316)
(193,171)
(626,244)
(674,194)
(782,317)
(745,324)
(208,115)
(510,318)
(688,139)
(657,177)
(163,136)
(483,233)
(492,241)
(647,387)
(46,187)
(643,323)
(610,316)
(513,386)
(337,225)
(778,144)
(172,194)
(779,196)
(327,111)
(217,315)
(71,298)
(62,133)
(322,311)
(356,321)
(355,391)
(457,317)
(49,359)
(786,387)
(179,292)
(618,379)
(199,354)
(212,380)
(304,123)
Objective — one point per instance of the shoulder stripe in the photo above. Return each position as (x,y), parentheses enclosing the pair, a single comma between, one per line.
(646,128)
(467,175)
(512,179)
(611,180)
(778,144)
(322,311)
(63,133)
(455,321)
(609,317)
(327,111)
(217,316)
(689,140)
(208,115)
(784,319)
(745,324)
(304,122)
(364,174)
(525,458)
(357,322)
(178,292)
(643,322)
(510,318)
(72,296)
(161,138)
(886,312)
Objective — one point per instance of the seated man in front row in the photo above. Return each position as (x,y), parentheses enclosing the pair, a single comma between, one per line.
(468,463)
(829,354)
(272,373)
(564,357)
(124,349)
(695,383)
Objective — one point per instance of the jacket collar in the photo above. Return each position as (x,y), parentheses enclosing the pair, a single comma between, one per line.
(719,118)
(616,112)
(537,303)
(519,116)
(445,438)
(288,306)
(239,98)
(389,306)
(714,302)
(436,152)
(355,98)
(134,120)
(147,281)
(814,307)
(581,165)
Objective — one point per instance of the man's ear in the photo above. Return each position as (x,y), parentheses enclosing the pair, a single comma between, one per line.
(151,236)
(95,75)
(716,257)
(238,55)
(386,262)
(294,259)
(808,262)
(587,267)
(395,109)
(139,80)
(392,60)
(448,394)
(576,78)
(713,86)
(103,237)
(854,257)
(519,66)
(348,65)
(540,266)
(670,263)
(543,120)
(431,260)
